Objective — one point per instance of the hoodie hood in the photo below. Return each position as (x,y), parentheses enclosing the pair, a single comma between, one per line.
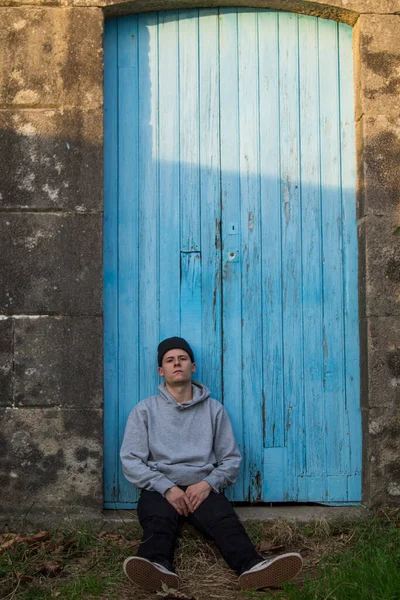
(200,393)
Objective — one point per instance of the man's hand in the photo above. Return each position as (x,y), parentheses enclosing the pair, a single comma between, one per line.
(197,493)
(179,500)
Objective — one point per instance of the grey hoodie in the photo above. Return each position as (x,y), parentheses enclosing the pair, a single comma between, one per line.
(167,443)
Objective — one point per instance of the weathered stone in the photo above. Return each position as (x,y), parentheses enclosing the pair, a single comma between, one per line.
(346,11)
(382,266)
(377,41)
(51,57)
(383,464)
(54,160)
(384,362)
(379,158)
(44,461)
(6,361)
(332,10)
(58,361)
(316,7)
(52,263)
(362,268)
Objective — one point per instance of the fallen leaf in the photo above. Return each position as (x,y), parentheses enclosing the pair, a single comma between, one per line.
(38,537)
(10,543)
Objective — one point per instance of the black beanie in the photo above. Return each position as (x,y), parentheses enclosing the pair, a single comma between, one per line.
(172,343)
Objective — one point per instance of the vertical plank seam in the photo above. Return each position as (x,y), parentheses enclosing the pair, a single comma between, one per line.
(344,274)
(157,138)
(117,482)
(221,291)
(283,407)
(199,188)
(321,251)
(299,168)
(261,466)
(179,168)
(246,492)
(136,39)
(341,344)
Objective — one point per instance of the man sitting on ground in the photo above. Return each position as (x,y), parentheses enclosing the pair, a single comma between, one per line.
(180,450)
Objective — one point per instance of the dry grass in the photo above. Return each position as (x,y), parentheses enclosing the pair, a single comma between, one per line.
(79,564)
(204,574)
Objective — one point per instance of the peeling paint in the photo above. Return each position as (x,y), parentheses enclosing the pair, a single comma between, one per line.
(286,199)
(251,221)
(326,355)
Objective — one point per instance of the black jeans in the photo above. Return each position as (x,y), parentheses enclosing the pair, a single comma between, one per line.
(215,518)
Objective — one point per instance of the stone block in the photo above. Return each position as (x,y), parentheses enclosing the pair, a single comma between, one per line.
(382,266)
(383,457)
(378,140)
(377,61)
(52,263)
(346,11)
(384,362)
(362,268)
(336,8)
(58,362)
(6,361)
(51,458)
(54,160)
(51,57)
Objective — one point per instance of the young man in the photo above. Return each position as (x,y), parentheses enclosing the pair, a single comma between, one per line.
(180,450)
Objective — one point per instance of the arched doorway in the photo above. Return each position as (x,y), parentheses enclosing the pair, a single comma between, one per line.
(230,219)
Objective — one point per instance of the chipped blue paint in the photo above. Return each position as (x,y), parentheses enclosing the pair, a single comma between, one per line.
(230,220)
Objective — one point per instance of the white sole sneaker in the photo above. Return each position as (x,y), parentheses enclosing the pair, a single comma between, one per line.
(272,573)
(149,575)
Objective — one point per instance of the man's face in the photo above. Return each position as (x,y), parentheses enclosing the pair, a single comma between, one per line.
(176,367)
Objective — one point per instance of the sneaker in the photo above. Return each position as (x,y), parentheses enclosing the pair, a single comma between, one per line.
(149,575)
(272,573)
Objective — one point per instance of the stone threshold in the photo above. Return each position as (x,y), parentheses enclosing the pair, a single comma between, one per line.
(120,519)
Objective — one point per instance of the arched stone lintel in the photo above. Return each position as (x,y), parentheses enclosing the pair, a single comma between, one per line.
(326,10)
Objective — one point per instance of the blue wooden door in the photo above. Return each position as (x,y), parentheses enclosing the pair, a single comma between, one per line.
(230,220)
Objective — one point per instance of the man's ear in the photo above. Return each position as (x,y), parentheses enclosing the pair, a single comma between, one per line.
(193,367)
(161,371)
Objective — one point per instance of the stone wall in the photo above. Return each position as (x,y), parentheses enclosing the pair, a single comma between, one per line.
(51,120)
(51,395)
(377,47)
